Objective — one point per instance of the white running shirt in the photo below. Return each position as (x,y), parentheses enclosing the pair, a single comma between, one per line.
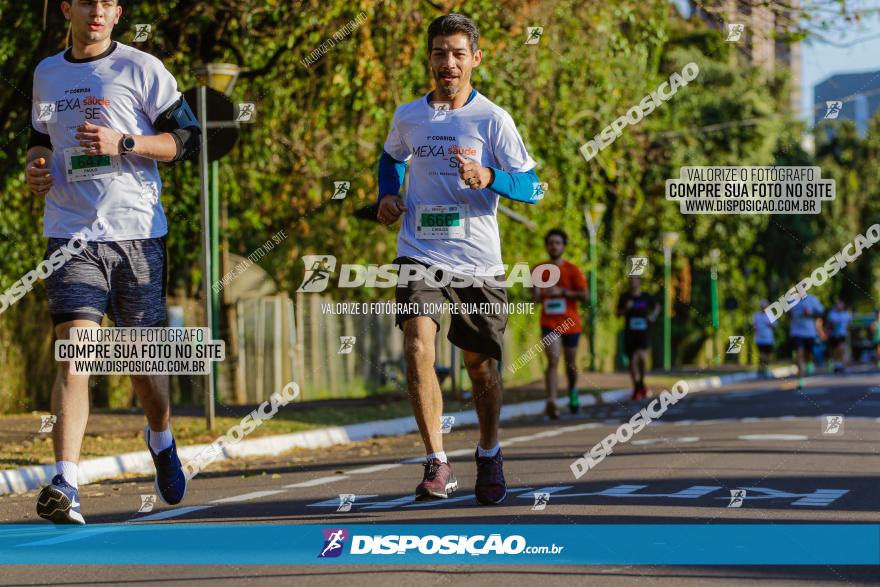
(840,320)
(481,131)
(126,91)
(763,328)
(804,326)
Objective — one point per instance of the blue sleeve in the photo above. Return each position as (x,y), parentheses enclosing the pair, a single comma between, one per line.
(522,187)
(391,172)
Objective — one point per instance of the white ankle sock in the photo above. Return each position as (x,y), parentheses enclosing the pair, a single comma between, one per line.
(159,441)
(488,452)
(441,456)
(69,470)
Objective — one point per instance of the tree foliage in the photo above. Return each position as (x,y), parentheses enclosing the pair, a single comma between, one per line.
(327,122)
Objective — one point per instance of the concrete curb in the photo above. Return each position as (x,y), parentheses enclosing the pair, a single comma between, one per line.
(91,470)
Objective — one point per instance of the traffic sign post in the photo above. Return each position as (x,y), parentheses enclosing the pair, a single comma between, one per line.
(669,240)
(592,218)
(217,117)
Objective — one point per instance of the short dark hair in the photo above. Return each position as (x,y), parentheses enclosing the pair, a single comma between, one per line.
(556,232)
(452,24)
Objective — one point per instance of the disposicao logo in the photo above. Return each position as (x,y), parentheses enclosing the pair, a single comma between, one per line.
(334,541)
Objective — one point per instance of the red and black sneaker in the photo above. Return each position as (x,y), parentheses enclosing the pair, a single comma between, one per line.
(491,488)
(438,481)
(639,393)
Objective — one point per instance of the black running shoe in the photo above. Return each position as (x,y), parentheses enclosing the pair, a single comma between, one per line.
(490,488)
(58,502)
(170,482)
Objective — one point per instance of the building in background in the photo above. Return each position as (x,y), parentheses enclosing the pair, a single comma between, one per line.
(763,42)
(859,94)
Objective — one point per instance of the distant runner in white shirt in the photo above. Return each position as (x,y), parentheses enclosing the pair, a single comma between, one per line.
(806,317)
(764,337)
(839,319)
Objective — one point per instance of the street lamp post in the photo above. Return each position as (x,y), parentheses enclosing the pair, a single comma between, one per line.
(669,240)
(714,255)
(593,218)
(220,77)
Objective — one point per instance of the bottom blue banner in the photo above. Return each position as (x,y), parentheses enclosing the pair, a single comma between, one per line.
(301,544)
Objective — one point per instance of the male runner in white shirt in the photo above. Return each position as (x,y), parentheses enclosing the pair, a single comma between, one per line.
(103,114)
(463,152)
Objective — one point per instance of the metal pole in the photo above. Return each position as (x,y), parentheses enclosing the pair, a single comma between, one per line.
(453,372)
(713,292)
(206,244)
(667,308)
(594,299)
(215,262)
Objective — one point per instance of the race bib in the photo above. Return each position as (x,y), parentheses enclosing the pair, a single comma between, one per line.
(554,306)
(442,222)
(82,166)
(638,323)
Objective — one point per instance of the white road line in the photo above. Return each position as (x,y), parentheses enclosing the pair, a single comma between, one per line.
(173,513)
(670,440)
(316,482)
(717,421)
(772,437)
(373,469)
(247,496)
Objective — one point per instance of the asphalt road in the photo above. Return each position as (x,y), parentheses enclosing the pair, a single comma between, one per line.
(763,437)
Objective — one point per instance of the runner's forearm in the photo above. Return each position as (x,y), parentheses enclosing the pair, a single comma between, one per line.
(516,186)
(161,147)
(391,174)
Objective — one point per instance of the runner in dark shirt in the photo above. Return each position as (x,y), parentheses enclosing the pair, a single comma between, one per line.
(640,310)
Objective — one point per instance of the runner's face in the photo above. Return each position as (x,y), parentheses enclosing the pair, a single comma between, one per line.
(451,63)
(635,283)
(555,246)
(91,21)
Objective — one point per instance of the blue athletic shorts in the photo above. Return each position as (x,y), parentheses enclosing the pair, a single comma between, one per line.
(124,279)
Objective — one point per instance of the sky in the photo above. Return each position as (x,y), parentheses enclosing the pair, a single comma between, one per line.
(820,61)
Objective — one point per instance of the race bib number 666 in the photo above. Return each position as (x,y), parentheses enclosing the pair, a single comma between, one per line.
(442,222)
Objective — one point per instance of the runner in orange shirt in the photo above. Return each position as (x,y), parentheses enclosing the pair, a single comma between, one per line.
(561,321)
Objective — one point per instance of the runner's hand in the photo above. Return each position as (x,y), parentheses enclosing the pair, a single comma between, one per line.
(39,178)
(98,140)
(390,209)
(473,174)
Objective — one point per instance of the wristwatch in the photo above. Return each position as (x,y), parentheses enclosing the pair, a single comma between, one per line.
(126,144)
